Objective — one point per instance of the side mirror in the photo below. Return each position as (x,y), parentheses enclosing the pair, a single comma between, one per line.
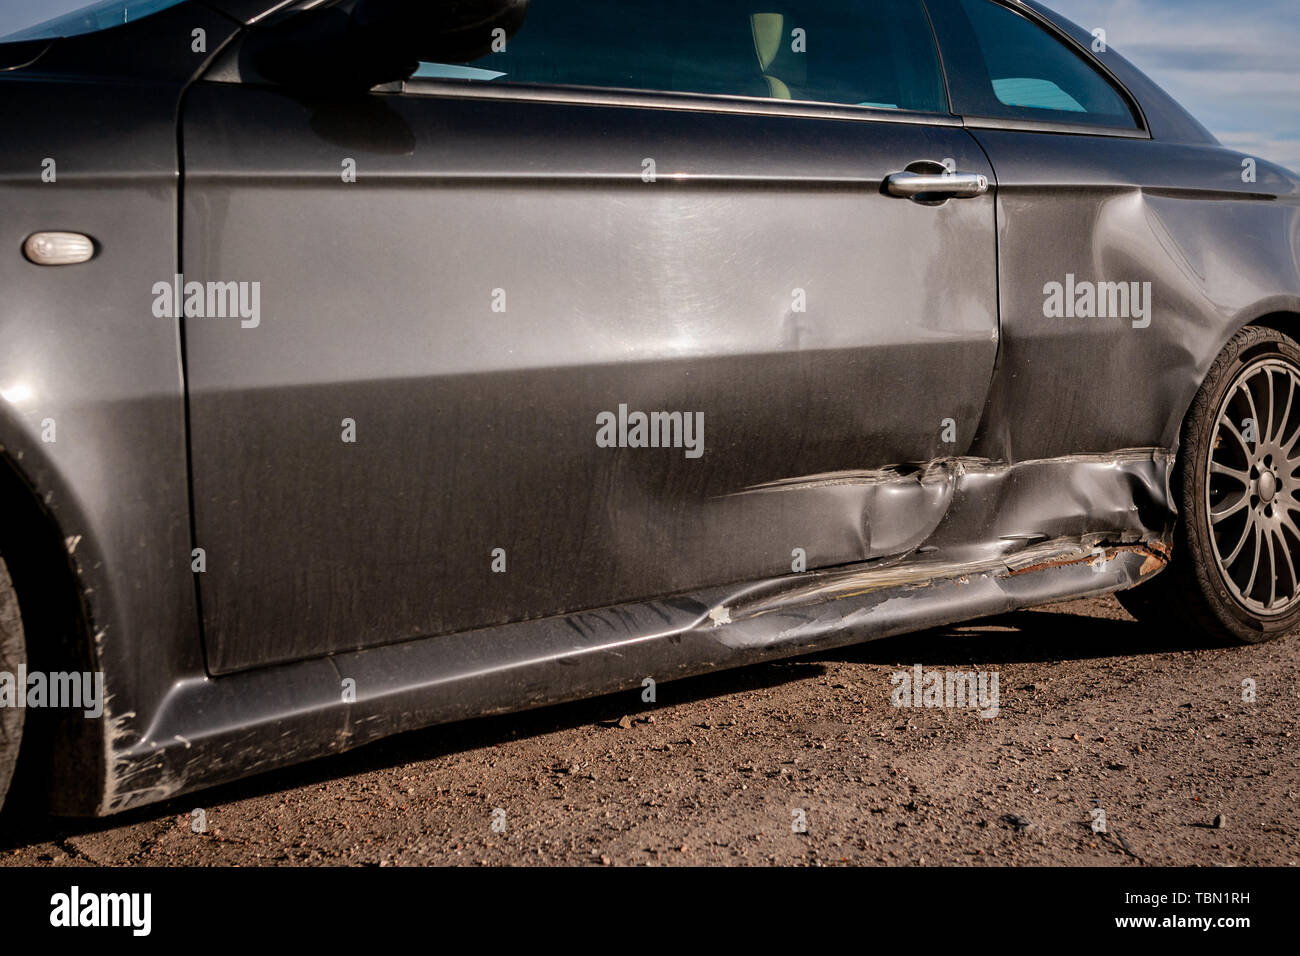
(335,48)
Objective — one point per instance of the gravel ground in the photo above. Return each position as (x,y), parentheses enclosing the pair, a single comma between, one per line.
(1096,712)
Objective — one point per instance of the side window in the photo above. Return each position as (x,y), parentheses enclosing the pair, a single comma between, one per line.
(876,53)
(1005,66)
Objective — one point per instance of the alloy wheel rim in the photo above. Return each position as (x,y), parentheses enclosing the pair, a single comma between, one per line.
(1253,488)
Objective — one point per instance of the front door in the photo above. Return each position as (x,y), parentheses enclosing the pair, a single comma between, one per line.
(624,310)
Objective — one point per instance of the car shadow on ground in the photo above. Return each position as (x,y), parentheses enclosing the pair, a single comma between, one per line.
(1029,636)
(1042,635)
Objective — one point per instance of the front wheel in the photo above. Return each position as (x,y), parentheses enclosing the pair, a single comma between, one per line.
(13,651)
(1235,568)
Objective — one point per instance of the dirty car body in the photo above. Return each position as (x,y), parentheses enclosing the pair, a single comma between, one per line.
(897,429)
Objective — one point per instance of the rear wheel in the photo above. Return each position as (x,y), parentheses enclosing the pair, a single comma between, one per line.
(1235,569)
(13,655)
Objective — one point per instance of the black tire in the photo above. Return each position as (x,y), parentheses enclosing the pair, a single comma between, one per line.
(1250,594)
(13,654)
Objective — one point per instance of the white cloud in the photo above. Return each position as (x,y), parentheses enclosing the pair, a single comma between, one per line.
(1233,67)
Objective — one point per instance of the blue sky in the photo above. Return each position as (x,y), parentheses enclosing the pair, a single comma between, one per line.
(1235,66)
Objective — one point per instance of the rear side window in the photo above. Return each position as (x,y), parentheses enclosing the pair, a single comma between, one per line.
(877,53)
(1005,66)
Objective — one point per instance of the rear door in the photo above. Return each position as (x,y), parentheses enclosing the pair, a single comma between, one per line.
(471,289)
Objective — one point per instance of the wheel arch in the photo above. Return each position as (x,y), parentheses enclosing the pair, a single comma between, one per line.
(61,764)
(1281,313)
(1286,321)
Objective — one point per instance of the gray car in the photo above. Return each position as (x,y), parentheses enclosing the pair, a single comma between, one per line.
(374,364)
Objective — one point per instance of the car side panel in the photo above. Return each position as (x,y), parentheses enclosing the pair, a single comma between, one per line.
(92,405)
(1217,252)
(477,426)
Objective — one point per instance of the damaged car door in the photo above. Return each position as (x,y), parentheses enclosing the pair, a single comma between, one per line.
(493,297)
(1089,210)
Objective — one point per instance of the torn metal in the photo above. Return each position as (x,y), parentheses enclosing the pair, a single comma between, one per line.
(1013,535)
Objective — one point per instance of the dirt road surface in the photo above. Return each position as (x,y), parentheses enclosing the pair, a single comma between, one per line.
(1096,713)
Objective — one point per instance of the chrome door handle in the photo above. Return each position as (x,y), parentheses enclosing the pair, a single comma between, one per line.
(948,185)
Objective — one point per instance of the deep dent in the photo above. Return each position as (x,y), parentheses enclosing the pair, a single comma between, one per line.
(1010,535)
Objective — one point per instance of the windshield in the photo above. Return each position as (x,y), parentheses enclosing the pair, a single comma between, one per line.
(25,20)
